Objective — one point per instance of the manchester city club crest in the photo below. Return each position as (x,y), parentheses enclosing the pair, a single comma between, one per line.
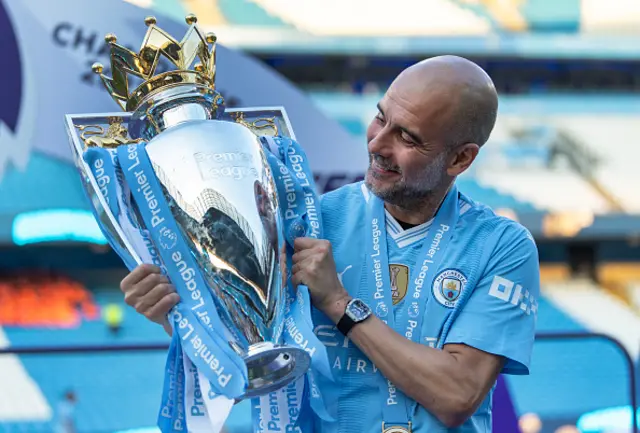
(448,286)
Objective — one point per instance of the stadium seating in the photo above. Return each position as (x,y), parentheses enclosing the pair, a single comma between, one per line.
(115,390)
(479,15)
(356,17)
(492,197)
(571,377)
(248,13)
(21,191)
(617,171)
(623,280)
(548,189)
(22,298)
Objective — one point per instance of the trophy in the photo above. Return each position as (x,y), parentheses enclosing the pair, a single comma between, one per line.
(216,180)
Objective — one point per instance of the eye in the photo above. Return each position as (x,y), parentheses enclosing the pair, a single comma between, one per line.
(407,138)
(380,117)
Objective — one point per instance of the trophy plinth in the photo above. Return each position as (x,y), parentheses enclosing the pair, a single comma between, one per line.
(273,367)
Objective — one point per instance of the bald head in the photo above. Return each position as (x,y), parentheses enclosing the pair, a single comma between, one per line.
(460,90)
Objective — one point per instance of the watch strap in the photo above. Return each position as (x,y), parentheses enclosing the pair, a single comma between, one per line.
(345,324)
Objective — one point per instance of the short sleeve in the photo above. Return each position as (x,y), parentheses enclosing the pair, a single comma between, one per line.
(500,315)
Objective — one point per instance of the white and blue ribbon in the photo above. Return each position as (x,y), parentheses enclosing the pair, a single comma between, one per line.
(300,209)
(104,164)
(196,324)
(203,375)
(180,400)
(397,408)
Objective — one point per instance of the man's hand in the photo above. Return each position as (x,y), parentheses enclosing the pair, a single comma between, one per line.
(313,266)
(150,293)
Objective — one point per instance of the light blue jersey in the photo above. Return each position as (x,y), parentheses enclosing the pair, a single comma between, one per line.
(483,294)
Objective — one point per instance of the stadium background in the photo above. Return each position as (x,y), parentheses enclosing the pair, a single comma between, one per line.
(562,161)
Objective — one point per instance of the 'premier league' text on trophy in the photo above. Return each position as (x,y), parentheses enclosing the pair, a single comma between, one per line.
(205,209)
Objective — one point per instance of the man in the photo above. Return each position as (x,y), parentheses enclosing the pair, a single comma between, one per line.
(66,413)
(465,281)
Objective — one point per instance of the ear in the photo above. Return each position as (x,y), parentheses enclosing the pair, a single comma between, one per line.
(461,158)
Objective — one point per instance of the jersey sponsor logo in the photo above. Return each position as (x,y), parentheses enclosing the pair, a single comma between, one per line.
(344,355)
(510,292)
(399,275)
(447,287)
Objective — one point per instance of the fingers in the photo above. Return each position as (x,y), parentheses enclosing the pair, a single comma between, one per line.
(300,270)
(303,243)
(301,256)
(137,275)
(158,312)
(143,303)
(132,294)
(298,278)
(149,292)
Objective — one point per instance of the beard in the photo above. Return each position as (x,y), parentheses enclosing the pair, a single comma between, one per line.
(406,193)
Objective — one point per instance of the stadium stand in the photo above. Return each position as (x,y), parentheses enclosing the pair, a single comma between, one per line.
(599,310)
(21,399)
(22,298)
(492,197)
(622,279)
(21,191)
(429,17)
(540,187)
(115,391)
(569,378)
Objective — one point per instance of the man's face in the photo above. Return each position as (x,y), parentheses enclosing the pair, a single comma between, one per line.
(408,157)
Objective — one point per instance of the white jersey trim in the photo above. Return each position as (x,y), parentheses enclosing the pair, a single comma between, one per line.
(415,234)
(403,237)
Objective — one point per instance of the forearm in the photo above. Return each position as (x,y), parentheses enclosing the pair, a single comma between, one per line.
(431,377)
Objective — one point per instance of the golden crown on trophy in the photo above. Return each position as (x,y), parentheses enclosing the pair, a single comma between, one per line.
(159,43)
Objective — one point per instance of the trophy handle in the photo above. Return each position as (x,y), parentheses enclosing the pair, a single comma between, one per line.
(107,221)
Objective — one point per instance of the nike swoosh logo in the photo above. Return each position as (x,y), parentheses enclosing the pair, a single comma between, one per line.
(342,273)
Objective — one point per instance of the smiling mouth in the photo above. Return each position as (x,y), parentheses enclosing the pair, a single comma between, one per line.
(378,169)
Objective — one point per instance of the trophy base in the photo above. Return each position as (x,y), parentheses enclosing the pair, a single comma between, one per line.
(272,367)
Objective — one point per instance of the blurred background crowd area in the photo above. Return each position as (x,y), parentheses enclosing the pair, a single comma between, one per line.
(562,160)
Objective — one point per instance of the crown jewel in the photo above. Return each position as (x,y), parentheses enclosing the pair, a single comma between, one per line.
(143,65)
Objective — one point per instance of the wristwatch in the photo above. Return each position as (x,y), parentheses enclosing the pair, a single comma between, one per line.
(356,312)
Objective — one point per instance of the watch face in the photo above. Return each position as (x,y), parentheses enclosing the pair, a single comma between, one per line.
(358,310)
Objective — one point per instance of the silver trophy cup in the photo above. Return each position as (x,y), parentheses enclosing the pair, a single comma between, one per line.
(221,192)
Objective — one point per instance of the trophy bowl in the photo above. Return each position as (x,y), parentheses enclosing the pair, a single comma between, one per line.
(219,187)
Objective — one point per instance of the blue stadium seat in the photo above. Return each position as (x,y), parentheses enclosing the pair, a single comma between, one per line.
(246,12)
(560,16)
(491,197)
(569,378)
(33,189)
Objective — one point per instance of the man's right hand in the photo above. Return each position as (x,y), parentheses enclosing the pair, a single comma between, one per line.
(150,293)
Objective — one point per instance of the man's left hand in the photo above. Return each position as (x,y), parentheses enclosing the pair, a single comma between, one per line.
(313,266)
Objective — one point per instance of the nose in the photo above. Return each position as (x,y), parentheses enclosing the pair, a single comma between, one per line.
(381,143)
